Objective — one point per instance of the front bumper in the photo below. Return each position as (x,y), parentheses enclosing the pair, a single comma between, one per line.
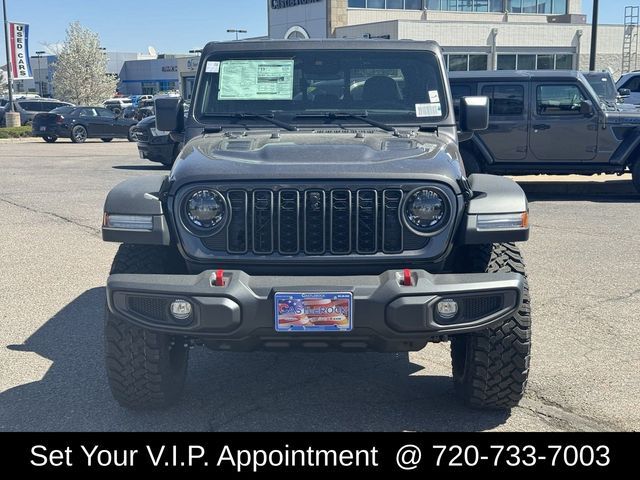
(50,131)
(387,315)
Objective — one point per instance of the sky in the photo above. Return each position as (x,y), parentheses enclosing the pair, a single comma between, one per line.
(134,25)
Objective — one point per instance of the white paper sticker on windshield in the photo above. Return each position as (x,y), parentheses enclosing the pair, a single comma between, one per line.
(212,67)
(256,80)
(434,96)
(428,110)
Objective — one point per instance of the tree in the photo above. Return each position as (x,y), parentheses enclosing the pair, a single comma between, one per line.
(80,74)
(4,82)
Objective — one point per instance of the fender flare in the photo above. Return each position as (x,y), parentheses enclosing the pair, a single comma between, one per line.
(139,196)
(496,196)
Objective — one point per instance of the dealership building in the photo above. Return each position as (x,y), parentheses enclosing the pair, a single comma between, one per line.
(474,34)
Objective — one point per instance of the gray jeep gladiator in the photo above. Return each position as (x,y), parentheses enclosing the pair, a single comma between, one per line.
(319,203)
(549,122)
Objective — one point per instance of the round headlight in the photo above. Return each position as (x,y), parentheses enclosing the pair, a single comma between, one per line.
(425,209)
(206,209)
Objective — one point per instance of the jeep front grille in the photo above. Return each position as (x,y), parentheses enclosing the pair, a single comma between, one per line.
(315,221)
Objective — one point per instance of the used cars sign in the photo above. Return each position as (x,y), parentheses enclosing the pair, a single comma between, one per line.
(19,51)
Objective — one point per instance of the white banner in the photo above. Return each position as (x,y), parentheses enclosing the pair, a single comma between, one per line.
(19,51)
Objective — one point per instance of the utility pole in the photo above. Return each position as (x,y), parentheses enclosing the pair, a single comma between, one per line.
(6,41)
(594,36)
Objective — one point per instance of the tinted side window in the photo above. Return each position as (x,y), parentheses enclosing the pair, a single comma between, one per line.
(559,100)
(505,99)
(48,106)
(633,84)
(88,112)
(104,112)
(29,106)
(458,91)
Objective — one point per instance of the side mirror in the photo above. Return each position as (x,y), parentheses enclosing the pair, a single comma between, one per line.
(586,108)
(624,92)
(474,114)
(169,114)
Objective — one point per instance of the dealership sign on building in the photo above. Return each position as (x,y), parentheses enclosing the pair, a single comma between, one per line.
(19,51)
(276,4)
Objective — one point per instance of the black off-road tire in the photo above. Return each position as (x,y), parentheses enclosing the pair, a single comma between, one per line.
(472,163)
(145,369)
(635,173)
(491,367)
(50,139)
(130,136)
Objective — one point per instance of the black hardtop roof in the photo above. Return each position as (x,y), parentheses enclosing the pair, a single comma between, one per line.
(319,44)
(516,75)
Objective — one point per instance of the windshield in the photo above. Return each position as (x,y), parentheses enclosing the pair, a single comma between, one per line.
(388,86)
(603,85)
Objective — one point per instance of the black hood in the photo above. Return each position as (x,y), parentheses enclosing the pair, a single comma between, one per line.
(318,155)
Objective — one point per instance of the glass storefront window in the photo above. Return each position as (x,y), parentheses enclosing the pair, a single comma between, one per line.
(545,62)
(546,7)
(526,62)
(564,62)
(542,61)
(478,62)
(458,63)
(507,62)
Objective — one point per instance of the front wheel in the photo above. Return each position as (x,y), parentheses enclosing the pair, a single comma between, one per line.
(50,139)
(635,172)
(131,136)
(491,367)
(145,369)
(79,134)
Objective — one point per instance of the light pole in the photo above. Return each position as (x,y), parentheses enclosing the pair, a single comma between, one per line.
(233,30)
(6,40)
(39,56)
(594,36)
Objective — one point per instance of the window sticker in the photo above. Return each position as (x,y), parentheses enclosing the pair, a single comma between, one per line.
(428,110)
(434,96)
(212,67)
(256,80)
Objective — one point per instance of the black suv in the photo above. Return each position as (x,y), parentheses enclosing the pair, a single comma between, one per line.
(319,203)
(548,122)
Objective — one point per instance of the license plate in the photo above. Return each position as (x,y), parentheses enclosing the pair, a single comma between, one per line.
(314,312)
(43,129)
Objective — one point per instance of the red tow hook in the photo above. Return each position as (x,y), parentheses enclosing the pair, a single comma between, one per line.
(217,278)
(407,279)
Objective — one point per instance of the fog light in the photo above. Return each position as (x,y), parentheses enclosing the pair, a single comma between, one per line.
(447,308)
(180,309)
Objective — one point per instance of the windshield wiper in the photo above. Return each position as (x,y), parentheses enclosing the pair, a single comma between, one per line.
(342,115)
(269,117)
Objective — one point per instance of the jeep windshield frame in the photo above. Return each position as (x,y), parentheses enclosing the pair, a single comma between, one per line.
(318,87)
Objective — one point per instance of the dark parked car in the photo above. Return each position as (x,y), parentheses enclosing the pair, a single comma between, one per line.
(153,144)
(292,221)
(28,108)
(548,122)
(81,123)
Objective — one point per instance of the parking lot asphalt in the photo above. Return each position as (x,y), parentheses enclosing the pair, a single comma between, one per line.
(584,266)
